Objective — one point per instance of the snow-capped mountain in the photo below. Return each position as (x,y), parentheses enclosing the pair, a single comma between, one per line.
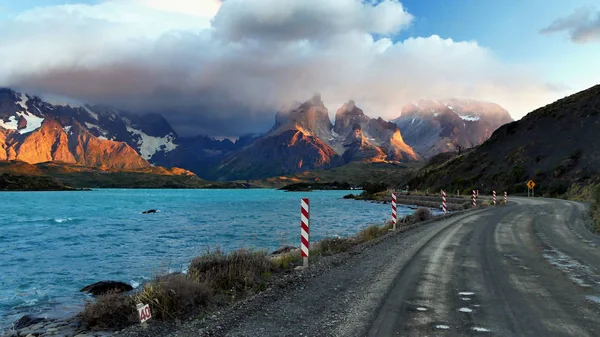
(303,138)
(149,135)
(435,126)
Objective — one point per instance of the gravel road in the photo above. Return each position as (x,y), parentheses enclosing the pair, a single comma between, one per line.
(527,269)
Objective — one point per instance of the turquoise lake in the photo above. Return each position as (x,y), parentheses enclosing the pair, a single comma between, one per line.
(54,243)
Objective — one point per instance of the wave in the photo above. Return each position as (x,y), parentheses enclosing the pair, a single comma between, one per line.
(63,220)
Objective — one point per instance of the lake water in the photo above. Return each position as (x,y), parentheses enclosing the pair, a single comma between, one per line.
(54,243)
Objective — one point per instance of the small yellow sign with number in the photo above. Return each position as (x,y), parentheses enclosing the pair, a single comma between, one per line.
(530,184)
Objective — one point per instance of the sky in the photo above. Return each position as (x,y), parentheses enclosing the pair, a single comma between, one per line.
(223,68)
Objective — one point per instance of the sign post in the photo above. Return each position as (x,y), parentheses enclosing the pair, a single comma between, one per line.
(143,312)
(530,185)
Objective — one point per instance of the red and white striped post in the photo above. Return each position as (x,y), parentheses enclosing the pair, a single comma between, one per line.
(494,197)
(305,230)
(444,206)
(474,198)
(505,198)
(394,214)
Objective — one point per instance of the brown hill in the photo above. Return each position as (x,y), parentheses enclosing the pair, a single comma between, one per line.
(556,146)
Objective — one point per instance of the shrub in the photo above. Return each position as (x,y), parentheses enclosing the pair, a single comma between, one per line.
(287,260)
(330,246)
(173,296)
(372,188)
(110,311)
(422,214)
(238,272)
(370,233)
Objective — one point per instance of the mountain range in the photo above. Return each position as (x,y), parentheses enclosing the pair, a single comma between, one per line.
(303,137)
(556,146)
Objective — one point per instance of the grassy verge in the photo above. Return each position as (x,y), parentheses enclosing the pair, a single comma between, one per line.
(591,194)
(217,278)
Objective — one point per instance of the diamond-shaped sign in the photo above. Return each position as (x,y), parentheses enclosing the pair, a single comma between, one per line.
(530,184)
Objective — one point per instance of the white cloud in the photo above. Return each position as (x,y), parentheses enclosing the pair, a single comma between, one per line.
(223,69)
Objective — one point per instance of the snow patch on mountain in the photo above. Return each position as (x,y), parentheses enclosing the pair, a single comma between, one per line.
(12,123)
(149,145)
(33,122)
(23,101)
(470,118)
(93,114)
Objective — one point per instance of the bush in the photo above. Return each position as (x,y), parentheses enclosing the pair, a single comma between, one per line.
(372,188)
(370,233)
(349,196)
(287,260)
(173,296)
(238,272)
(422,214)
(110,311)
(330,246)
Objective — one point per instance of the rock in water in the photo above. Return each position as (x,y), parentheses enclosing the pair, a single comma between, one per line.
(27,321)
(103,287)
(150,211)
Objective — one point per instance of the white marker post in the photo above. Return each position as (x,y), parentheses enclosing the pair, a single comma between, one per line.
(494,195)
(444,206)
(305,230)
(394,214)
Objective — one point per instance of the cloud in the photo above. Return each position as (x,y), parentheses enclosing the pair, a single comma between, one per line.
(583,25)
(224,68)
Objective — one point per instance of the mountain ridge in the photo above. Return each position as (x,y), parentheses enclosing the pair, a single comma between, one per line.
(302,138)
(555,145)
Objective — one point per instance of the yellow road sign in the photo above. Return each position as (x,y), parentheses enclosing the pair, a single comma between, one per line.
(530,184)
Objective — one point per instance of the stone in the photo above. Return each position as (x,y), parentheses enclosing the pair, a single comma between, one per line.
(27,321)
(103,287)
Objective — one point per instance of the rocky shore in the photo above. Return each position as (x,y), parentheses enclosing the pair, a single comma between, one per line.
(72,327)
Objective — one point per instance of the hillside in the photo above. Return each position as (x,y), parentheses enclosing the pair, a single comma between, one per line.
(11,182)
(77,176)
(556,146)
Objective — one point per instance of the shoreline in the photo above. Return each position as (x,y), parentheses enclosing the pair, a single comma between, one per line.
(52,323)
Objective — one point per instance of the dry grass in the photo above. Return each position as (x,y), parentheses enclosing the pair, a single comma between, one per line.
(333,245)
(173,296)
(236,272)
(110,311)
(287,260)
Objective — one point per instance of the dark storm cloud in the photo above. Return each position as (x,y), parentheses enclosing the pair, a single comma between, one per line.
(226,74)
(583,25)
